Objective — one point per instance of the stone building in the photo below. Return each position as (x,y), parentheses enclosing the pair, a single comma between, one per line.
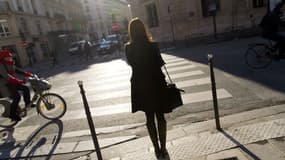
(26,26)
(181,20)
(105,16)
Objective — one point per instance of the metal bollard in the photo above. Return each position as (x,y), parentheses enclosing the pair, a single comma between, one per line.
(90,121)
(214,92)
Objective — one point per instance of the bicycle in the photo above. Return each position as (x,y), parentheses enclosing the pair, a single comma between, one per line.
(49,105)
(260,55)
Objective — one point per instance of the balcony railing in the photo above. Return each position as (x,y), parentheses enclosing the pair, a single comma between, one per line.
(59,16)
(4,8)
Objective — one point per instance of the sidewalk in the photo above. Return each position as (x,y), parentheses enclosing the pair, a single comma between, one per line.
(251,135)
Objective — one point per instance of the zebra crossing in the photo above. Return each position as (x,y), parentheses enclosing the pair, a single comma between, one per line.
(107,81)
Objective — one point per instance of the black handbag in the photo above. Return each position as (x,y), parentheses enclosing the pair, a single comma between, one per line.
(173,95)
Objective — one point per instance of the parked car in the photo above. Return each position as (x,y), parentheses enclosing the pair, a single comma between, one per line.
(105,47)
(75,47)
(115,40)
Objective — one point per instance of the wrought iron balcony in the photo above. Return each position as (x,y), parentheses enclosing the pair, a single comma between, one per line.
(4,8)
(59,16)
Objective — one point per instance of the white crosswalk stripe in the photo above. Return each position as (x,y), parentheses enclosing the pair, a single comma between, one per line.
(126,84)
(110,81)
(126,79)
(106,89)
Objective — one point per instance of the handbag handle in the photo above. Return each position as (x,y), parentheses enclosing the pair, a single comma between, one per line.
(168,74)
(181,90)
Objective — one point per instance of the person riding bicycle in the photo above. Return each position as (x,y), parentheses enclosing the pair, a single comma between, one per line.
(270,27)
(10,85)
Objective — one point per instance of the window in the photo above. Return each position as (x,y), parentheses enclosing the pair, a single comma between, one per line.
(4,29)
(207,5)
(259,3)
(87,9)
(20,5)
(152,15)
(38,24)
(34,7)
(24,25)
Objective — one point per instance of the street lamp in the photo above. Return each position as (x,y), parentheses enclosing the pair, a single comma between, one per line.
(212,8)
(171,25)
(130,11)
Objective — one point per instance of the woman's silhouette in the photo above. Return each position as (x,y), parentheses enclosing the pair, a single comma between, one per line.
(147,83)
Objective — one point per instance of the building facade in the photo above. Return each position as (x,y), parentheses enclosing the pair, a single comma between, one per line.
(178,20)
(105,17)
(28,24)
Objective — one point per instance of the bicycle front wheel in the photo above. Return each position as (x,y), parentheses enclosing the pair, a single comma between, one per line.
(51,106)
(258,56)
(5,121)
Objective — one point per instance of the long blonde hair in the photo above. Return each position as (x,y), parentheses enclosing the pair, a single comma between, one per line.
(138,32)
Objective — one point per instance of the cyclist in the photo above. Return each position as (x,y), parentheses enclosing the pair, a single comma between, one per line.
(270,27)
(10,85)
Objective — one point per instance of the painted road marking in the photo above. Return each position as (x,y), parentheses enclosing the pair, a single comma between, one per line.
(179,68)
(177,64)
(186,74)
(126,84)
(126,107)
(126,78)
(204,96)
(113,92)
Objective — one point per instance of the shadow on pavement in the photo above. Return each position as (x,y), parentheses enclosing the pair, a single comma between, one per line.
(33,143)
(70,64)
(229,58)
(242,147)
(8,143)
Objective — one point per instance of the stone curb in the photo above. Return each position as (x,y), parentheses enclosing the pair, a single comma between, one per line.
(207,127)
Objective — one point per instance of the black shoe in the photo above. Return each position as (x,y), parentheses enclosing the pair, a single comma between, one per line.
(163,154)
(15,117)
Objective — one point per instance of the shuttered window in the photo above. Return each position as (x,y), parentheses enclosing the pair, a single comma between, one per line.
(152,17)
(259,3)
(4,29)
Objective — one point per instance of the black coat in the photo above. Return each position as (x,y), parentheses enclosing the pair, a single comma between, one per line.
(148,81)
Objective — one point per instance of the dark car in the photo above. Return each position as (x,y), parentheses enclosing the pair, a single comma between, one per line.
(105,47)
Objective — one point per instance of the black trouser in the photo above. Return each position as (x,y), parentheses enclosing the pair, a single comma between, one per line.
(88,55)
(152,129)
(16,96)
(277,37)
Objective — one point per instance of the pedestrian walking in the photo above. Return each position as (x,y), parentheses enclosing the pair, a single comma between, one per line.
(31,54)
(54,57)
(147,83)
(87,50)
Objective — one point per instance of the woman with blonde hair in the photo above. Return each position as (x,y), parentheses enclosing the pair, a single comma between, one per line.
(147,83)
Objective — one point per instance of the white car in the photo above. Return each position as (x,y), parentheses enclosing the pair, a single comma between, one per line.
(75,47)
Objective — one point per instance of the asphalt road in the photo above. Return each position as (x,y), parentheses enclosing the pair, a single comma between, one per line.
(106,82)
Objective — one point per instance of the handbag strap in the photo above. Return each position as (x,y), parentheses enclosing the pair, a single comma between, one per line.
(181,90)
(167,74)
